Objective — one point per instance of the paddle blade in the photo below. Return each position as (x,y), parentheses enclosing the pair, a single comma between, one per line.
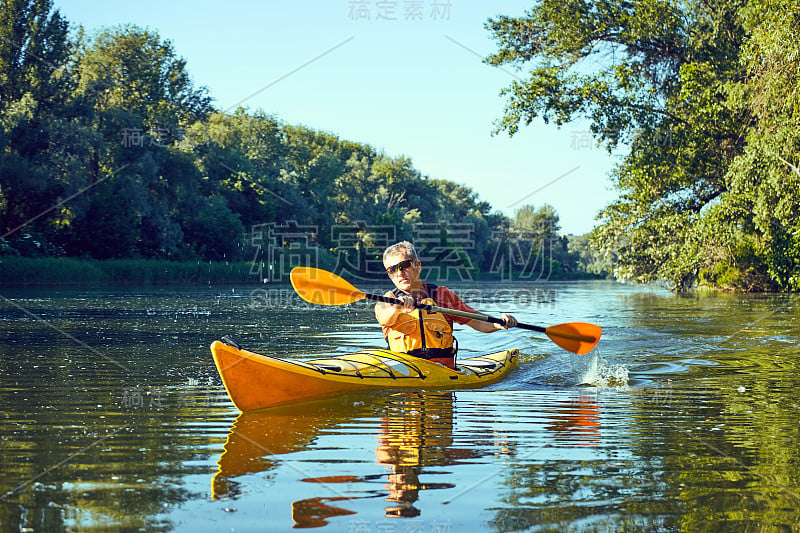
(321,287)
(577,337)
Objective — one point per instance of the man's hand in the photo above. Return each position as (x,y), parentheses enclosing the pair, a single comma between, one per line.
(387,314)
(408,303)
(510,321)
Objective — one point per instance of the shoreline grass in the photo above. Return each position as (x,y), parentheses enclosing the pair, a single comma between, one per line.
(70,271)
(66,271)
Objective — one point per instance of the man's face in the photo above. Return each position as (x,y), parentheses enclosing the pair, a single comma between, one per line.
(403,278)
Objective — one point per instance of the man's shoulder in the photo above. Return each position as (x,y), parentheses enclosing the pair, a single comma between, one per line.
(436,291)
(443,292)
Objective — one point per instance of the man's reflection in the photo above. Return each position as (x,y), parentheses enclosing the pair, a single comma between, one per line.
(416,432)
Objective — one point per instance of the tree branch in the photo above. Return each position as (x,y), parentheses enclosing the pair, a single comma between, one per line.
(642,107)
(794,168)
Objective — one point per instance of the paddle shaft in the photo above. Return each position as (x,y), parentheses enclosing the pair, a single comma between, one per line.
(453,312)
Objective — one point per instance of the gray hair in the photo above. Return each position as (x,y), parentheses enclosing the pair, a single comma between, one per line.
(403,246)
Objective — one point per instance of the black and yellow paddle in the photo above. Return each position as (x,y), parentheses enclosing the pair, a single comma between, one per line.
(319,286)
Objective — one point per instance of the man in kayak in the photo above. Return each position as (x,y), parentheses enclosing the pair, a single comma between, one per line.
(422,333)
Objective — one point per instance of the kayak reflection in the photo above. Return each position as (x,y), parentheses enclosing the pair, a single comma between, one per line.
(257,436)
(415,432)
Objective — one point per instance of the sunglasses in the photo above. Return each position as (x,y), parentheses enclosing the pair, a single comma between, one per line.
(402,265)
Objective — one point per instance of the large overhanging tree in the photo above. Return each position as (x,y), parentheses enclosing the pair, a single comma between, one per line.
(708,190)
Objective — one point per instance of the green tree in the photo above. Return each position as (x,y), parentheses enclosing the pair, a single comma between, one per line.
(132,69)
(765,177)
(457,201)
(538,233)
(543,222)
(589,258)
(38,169)
(242,157)
(139,98)
(34,53)
(352,190)
(108,150)
(655,75)
(109,228)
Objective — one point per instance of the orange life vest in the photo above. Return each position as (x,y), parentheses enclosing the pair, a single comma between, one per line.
(435,343)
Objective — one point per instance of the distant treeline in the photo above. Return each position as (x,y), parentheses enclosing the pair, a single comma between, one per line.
(109,151)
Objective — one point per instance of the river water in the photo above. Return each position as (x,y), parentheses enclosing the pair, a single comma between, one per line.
(685,418)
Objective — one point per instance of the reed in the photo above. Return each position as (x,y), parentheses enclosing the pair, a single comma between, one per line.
(21,271)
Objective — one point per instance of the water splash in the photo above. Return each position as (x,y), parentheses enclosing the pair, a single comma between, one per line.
(593,370)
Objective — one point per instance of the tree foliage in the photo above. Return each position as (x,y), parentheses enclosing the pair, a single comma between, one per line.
(540,231)
(704,93)
(109,150)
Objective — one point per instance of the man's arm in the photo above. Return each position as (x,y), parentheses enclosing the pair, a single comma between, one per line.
(387,314)
(489,327)
(451,300)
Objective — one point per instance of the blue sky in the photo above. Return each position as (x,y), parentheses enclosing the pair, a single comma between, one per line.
(404,76)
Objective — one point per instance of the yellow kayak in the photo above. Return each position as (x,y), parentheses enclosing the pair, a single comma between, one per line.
(256,381)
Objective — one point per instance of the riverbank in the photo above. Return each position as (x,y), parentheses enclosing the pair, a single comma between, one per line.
(66,271)
(69,271)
